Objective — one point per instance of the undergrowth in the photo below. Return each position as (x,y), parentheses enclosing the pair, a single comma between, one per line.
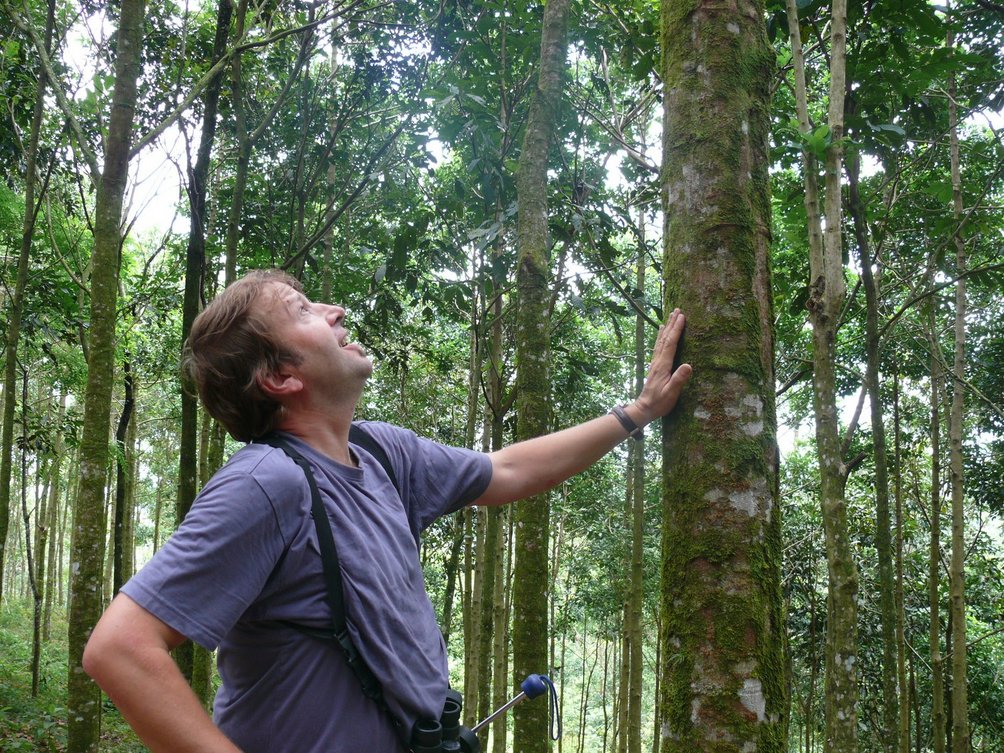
(38,724)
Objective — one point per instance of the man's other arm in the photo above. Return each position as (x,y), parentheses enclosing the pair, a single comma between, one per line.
(128,655)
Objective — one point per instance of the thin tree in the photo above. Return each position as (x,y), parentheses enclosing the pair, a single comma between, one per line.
(533,353)
(957,581)
(186,655)
(31,207)
(88,549)
(722,676)
(635,643)
(938,733)
(827,291)
(122,508)
(883,520)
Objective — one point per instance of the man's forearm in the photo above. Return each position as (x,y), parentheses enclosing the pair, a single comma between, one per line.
(535,465)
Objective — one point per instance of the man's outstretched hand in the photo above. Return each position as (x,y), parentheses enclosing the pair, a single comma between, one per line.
(664,383)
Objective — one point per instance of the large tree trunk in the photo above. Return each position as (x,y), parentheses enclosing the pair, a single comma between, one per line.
(722,672)
(88,550)
(533,354)
(957,582)
(31,207)
(827,292)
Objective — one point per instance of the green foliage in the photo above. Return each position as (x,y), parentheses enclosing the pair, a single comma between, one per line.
(38,724)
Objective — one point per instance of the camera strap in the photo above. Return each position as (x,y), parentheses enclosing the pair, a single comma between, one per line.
(329,560)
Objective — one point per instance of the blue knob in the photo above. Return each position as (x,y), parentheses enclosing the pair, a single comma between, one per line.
(535,685)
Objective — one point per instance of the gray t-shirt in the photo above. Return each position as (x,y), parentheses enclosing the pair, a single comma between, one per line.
(246,558)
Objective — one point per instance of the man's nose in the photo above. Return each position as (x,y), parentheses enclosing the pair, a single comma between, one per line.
(335,314)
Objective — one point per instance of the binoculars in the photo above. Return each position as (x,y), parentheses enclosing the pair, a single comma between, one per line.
(447,735)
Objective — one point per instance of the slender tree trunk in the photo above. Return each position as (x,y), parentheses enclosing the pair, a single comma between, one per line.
(533,354)
(489,607)
(31,206)
(827,292)
(722,670)
(131,469)
(605,693)
(904,690)
(563,655)
(810,720)
(938,730)
(883,523)
(656,722)
(88,549)
(500,629)
(957,582)
(472,664)
(452,571)
(52,522)
(636,464)
(29,550)
(158,513)
(197,188)
(244,147)
(623,674)
(471,591)
(123,512)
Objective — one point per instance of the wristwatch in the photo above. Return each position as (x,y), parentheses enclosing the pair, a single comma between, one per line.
(634,430)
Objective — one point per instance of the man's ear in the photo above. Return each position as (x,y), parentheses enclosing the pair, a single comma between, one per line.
(278,382)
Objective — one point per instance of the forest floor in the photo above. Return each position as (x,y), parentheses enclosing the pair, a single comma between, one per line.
(30,724)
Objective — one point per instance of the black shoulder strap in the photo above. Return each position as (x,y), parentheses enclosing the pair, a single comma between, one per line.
(332,575)
(361,437)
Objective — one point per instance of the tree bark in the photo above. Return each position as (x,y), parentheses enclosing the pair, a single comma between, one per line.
(194,272)
(938,731)
(635,643)
(827,293)
(883,522)
(722,670)
(53,570)
(533,354)
(901,662)
(957,578)
(88,549)
(123,511)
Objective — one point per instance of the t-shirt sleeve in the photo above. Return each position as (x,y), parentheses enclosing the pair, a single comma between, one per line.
(435,479)
(217,562)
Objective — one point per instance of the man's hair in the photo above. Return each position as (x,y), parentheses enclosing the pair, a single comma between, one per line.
(231,344)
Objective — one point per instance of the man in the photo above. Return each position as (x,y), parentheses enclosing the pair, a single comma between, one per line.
(243,571)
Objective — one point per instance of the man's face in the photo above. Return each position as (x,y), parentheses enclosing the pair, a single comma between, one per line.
(316,333)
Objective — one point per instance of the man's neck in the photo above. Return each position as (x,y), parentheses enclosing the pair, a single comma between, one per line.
(326,433)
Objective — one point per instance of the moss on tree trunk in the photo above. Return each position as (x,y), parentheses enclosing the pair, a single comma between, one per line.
(722,674)
(88,550)
(533,352)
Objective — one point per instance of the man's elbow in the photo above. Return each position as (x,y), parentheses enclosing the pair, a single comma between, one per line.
(98,652)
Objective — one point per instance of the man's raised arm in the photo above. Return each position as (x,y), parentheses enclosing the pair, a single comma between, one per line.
(536,465)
